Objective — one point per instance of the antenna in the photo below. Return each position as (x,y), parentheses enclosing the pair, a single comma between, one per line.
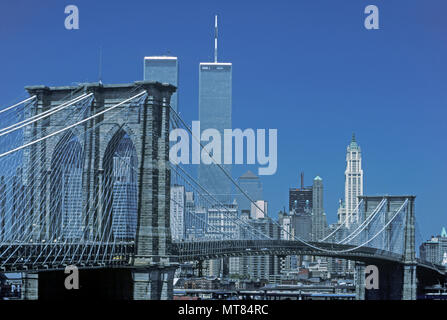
(100,65)
(215,38)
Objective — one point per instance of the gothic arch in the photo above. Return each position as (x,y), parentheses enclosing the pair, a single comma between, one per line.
(66,192)
(120,192)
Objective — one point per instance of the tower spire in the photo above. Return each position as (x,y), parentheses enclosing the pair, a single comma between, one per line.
(215,38)
(353,137)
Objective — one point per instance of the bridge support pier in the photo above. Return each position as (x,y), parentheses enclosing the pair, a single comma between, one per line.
(409,283)
(359,278)
(154,283)
(30,286)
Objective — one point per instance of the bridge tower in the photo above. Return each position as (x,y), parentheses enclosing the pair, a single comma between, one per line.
(146,122)
(397,281)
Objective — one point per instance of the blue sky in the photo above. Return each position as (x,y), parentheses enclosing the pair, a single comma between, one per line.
(308,68)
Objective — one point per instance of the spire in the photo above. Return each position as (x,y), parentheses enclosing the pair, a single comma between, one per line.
(443,233)
(353,144)
(215,38)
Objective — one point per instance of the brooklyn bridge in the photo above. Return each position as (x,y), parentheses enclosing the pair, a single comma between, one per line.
(86,181)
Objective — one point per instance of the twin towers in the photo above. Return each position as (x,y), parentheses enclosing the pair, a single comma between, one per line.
(215,104)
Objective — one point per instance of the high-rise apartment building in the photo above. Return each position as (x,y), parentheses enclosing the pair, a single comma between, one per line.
(163,69)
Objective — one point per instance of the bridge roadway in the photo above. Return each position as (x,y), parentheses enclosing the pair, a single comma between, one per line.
(190,251)
(23,257)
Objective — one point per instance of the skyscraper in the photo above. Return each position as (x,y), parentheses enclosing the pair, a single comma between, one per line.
(435,249)
(299,196)
(251,184)
(353,182)
(215,92)
(163,69)
(302,223)
(319,223)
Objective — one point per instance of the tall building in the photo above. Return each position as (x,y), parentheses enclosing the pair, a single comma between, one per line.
(319,223)
(163,69)
(222,226)
(177,216)
(215,103)
(299,196)
(263,266)
(435,249)
(222,222)
(353,182)
(259,209)
(302,223)
(252,185)
(286,233)
(195,218)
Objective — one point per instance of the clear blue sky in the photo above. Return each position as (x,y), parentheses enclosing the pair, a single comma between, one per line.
(308,68)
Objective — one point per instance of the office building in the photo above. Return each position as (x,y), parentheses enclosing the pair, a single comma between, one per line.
(435,249)
(263,266)
(301,223)
(163,69)
(259,209)
(215,103)
(299,196)
(222,226)
(319,222)
(353,183)
(222,222)
(252,185)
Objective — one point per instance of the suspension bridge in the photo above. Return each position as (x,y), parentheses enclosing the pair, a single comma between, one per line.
(85,180)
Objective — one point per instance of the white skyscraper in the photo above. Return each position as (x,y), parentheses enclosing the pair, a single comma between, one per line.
(353,182)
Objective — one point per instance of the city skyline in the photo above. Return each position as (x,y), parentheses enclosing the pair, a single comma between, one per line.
(391,164)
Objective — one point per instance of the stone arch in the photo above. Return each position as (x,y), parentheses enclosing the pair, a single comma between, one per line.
(120,191)
(111,133)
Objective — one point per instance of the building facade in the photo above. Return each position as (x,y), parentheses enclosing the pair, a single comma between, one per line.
(435,249)
(252,185)
(259,209)
(319,222)
(215,103)
(178,201)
